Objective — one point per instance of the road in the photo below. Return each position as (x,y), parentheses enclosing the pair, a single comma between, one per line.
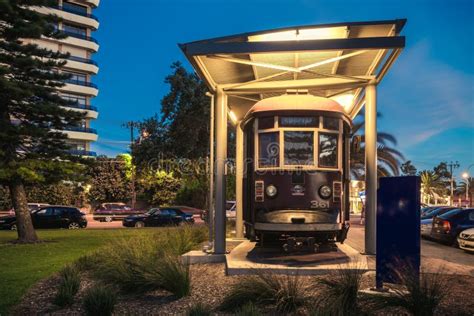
(433,255)
(92,224)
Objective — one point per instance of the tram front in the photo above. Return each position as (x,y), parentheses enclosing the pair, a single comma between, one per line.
(296,178)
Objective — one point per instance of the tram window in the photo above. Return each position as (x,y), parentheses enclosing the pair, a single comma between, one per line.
(299,121)
(328,150)
(266,122)
(331,123)
(299,148)
(269,150)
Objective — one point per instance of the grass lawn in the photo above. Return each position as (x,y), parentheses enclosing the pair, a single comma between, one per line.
(21,266)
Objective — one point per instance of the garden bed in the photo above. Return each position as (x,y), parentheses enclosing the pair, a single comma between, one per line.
(209,286)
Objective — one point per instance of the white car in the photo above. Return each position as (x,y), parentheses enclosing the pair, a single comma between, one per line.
(425,227)
(466,240)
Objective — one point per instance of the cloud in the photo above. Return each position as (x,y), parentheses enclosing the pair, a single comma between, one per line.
(424,97)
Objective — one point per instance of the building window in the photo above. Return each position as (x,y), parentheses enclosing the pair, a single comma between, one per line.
(76,77)
(74,29)
(299,121)
(299,148)
(269,150)
(74,8)
(75,99)
(328,150)
(331,123)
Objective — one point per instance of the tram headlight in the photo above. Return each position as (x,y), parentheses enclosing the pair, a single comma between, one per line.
(271,190)
(325,191)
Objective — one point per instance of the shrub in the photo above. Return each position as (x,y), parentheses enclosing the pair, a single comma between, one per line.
(339,296)
(285,293)
(146,263)
(173,276)
(181,240)
(131,264)
(99,300)
(249,309)
(69,284)
(422,295)
(199,309)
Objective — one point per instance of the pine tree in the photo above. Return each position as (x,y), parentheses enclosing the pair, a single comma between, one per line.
(32,149)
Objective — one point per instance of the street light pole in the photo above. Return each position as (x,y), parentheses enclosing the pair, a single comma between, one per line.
(452,165)
(465,175)
(132,125)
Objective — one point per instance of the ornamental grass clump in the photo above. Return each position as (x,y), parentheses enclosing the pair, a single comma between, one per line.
(339,295)
(199,309)
(147,262)
(285,293)
(420,295)
(69,284)
(99,300)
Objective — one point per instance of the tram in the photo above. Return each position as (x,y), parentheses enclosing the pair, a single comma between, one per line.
(296,171)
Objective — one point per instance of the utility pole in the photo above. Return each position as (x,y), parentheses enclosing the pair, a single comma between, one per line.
(452,166)
(132,125)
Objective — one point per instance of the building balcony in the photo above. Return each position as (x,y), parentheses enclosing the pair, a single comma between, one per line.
(81,133)
(81,87)
(91,111)
(67,14)
(78,12)
(95,3)
(85,153)
(77,40)
(83,64)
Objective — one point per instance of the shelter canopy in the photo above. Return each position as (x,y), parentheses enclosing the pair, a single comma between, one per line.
(330,60)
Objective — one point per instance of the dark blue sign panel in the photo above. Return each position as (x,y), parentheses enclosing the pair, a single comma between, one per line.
(398,228)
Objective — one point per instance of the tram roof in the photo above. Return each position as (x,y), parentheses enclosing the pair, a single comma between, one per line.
(329,60)
(298,102)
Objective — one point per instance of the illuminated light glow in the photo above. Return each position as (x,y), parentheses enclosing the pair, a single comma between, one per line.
(233,118)
(302,35)
(465,175)
(345,100)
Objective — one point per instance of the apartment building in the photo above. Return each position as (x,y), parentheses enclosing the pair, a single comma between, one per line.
(78,23)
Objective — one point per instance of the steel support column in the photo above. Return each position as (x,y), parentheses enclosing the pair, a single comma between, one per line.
(239,174)
(220,177)
(370,168)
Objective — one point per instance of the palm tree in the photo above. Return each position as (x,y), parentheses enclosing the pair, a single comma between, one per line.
(389,159)
(432,187)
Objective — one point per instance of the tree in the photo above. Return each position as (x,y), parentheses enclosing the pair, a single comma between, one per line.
(158,187)
(408,169)
(389,159)
(432,187)
(32,149)
(109,181)
(181,130)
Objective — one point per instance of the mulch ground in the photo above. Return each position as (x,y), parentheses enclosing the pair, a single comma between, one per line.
(209,286)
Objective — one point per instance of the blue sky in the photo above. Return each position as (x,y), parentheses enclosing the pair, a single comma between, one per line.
(427,100)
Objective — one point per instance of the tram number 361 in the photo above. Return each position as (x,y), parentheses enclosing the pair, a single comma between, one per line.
(319,204)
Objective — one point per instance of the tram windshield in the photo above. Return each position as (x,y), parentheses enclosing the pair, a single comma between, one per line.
(298,141)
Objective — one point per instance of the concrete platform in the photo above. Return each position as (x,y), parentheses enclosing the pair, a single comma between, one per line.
(248,259)
(198,256)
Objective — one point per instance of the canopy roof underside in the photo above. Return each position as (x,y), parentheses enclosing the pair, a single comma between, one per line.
(332,60)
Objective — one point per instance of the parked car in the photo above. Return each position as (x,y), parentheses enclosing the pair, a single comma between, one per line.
(427,220)
(36,206)
(52,216)
(230,207)
(189,210)
(466,240)
(436,211)
(159,217)
(108,212)
(448,226)
(427,209)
